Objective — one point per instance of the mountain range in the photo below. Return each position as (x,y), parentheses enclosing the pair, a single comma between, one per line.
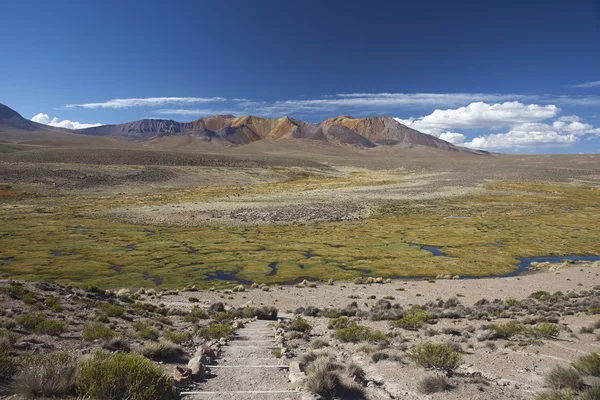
(344,130)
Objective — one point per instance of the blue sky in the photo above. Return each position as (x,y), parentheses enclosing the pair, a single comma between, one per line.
(503,76)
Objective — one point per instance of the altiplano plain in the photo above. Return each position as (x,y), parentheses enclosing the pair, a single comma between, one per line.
(369,254)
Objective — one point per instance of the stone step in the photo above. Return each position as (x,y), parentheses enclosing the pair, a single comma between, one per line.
(243,395)
(280,366)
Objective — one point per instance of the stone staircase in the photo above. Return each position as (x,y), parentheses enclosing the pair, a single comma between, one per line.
(247,369)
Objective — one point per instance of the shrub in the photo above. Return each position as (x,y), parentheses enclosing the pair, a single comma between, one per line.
(324,379)
(29,321)
(145,331)
(413,320)
(432,384)
(223,316)
(177,337)
(277,353)
(561,377)
(122,376)
(161,351)
(355,371)
(354,333)
(556,395)
(46,375)
(50,327)
(29,299)
(439,356)
(508,330)
(588,365)
(97,331)
(112,310)
(215,331)
(318,344)
(193,299)
(8,364)
(117,343)
(384,355)
(195,315)
(53,303)
(299,325)
(545,330)
(591,393)
(16,291)
(338,323)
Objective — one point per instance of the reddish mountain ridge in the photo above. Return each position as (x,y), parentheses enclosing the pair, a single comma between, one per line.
(344,130)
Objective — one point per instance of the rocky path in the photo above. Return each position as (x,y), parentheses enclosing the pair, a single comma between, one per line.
(247,369)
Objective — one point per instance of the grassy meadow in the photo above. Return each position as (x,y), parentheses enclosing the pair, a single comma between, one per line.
(65,237)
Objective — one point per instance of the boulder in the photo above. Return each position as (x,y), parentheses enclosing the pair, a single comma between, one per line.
(197,368)
(181,376)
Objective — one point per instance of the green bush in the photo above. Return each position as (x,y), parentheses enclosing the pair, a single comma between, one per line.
(46,375)
(215,331)
(588,365)
(50,327)
(8,364)
(97,331)
(223,316)
(412,321)
(338,323)
(438,356)
(354,333)
(16,291)
(299,325)
(545,330)
(112,310)
(195,315)
(30,321)
(145,331)
(192,299)
(29,299)
(53,303)
(177,337)
(508,330)
(122,376)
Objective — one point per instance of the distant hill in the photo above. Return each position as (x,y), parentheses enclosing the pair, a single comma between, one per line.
(228,129)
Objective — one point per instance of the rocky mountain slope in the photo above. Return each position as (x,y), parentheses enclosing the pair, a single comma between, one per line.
(12,120)
(227,129)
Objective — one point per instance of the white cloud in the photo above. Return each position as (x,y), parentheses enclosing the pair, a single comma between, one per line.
(481,115)
(569,118)
(453,137)
(240,99)
(147,102)
(523,135)
(46,120)
(197,112)
(588,84)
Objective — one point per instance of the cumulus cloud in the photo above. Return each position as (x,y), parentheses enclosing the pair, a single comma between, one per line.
(453,137)
(147,102)
(481,115)
(523,135)
(525,125)
(46,120)
(588,84)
